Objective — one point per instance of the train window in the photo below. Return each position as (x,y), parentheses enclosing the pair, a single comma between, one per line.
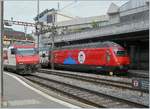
(26,51)
(121,53)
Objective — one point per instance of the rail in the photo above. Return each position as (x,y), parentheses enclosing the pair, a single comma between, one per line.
(87,96)
(118,84)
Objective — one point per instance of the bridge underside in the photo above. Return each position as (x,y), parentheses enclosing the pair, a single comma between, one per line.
(136,43)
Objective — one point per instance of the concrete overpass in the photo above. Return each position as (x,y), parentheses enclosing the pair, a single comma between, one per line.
(121,22)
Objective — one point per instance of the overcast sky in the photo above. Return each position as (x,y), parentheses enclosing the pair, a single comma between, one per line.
(27,10)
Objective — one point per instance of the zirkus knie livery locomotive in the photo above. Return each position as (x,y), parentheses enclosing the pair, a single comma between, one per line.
(22,58)
(101,56)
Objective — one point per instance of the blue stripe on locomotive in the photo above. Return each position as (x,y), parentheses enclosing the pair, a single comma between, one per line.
(69,60)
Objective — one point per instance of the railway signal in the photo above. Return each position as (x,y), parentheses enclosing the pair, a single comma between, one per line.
(21,23)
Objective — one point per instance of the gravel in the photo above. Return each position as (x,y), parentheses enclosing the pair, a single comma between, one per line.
(120,93)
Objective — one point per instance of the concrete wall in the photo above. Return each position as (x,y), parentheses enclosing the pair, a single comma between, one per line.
(139,54)
(106,30)
(61,18)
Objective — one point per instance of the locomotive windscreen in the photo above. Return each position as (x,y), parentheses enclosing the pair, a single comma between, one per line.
(26,51)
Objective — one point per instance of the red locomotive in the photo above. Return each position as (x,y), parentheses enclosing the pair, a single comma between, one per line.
(101,56)
(21,57)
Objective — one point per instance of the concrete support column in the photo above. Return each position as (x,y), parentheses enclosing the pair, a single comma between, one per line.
(137,59)
(1,54)
(132,55)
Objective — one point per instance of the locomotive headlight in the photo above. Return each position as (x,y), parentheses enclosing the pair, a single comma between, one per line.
(35,62)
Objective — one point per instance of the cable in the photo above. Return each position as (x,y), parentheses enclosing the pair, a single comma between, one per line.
(69,5)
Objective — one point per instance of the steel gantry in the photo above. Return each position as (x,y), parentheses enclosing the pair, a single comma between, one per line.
(10,23)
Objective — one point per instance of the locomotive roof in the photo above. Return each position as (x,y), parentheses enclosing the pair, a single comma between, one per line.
(90,45)
(23,43)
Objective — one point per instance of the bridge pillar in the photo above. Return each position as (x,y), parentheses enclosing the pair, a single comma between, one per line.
(138,58)
(132,55)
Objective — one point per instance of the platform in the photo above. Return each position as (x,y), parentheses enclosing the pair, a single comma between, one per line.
(18,94)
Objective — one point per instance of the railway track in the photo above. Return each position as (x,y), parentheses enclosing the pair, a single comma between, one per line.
(81,94)
(108,82)
(138,74)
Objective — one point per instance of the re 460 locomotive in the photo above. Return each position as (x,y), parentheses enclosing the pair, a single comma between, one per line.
(102,56)
(22,58)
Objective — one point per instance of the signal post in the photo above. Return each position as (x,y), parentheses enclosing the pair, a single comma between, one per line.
(1,53)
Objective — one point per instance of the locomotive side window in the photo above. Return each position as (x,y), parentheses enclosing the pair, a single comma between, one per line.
(121,53)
